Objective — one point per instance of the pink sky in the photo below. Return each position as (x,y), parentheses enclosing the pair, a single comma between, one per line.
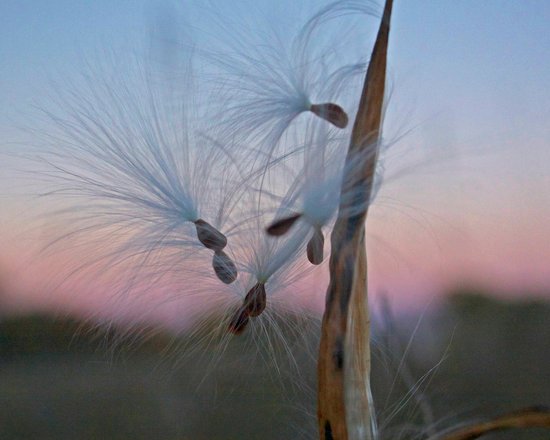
(477,215)
(415,256)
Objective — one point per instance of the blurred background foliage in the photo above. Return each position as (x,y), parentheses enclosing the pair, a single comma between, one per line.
(471,357)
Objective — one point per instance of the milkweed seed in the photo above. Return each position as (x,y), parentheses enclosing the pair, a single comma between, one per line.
(255,300)
(315,247)
(239,321)
(209,236)
(224,267)
(332,113)
(281,227)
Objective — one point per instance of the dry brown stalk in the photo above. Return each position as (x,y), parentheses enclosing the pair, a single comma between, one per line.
(527,418)
(343,401)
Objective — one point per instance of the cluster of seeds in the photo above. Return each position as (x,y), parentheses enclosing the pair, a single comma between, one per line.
(213,239)
(171,175)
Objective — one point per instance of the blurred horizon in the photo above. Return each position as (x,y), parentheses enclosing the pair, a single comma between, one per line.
(476,357)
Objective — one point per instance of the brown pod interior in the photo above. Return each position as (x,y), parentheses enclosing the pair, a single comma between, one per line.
(281,227)
(209,236)
(315,247)
(224,267)
(255,300)
(332,113)
(239,321)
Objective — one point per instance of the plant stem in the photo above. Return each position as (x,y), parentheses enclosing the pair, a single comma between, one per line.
(527,418)
(344,409)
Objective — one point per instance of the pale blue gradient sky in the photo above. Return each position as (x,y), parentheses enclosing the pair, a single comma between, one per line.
(471,77)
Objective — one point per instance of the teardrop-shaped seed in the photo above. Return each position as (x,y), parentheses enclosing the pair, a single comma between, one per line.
(224,267)
(315,247)
(281,227)
(255,300)
(239,321)
(332,113)
(209,236)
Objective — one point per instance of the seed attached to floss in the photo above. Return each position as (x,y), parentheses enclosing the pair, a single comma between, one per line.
(315,247)
(209,236)
(224,267)
(239,321)
(281,227)
(331,112)
(255,300)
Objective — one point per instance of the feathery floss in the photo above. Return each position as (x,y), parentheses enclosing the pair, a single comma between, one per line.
(271,77)
(128,157)
(262,104)
(137,156)
(270,264)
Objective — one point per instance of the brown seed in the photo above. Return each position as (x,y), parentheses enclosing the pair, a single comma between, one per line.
(239,321)
(209,236)
(315,247)
(332,113)
(255,300)
(281,227)
(224,267)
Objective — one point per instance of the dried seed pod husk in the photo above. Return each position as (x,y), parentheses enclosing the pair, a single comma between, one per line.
(239,321)
(315,247)
(332,113)
(281,227)
(224,267)
(255,300)
(209,236)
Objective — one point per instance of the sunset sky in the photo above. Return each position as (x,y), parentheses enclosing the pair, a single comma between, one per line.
(467,196)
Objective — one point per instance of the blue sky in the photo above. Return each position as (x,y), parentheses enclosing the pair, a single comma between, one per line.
(495,51)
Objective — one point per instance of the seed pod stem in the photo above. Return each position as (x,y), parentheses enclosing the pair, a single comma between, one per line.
(344,404)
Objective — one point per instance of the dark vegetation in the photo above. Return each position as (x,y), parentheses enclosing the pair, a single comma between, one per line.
(475,357)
